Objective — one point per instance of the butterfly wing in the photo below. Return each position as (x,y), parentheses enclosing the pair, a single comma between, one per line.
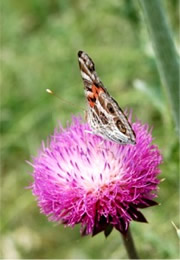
(104,114)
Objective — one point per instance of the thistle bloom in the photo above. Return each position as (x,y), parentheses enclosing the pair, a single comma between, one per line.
(82,178)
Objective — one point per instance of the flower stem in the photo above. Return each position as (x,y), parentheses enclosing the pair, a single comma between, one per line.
(166,54)
(129,244)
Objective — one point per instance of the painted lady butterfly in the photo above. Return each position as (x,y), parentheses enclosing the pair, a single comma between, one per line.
(104,115)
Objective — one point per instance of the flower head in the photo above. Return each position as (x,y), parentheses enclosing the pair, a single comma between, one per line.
(82,178)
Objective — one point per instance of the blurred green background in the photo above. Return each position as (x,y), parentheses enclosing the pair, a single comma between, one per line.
(39,44)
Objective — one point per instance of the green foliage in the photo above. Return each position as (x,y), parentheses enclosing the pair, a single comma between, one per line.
(166,53)
(39,50)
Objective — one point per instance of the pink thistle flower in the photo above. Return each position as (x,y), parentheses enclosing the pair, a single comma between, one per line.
(82,178)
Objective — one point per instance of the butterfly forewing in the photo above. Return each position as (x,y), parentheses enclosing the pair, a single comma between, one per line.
(104,115)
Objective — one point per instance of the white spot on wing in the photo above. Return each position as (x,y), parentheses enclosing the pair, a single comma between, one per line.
(85,76)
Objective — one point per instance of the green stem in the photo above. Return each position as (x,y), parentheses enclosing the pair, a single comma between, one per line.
(167,57)
(129,244)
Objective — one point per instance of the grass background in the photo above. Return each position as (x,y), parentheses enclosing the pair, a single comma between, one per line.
(39,44)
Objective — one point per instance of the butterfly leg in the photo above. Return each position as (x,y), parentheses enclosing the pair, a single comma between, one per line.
(101,147)
(89,132)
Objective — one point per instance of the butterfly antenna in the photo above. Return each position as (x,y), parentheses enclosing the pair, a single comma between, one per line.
(65,101)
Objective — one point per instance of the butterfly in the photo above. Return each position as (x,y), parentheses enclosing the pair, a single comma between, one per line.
(104,115)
